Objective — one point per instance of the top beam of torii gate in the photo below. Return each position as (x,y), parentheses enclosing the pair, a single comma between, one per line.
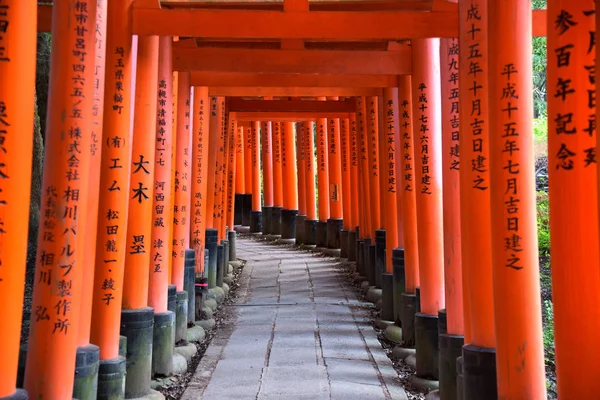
(293,22)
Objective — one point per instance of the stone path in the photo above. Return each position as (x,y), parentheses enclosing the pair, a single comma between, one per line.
(297,331)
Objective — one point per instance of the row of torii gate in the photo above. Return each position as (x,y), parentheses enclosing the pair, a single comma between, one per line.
(142,164)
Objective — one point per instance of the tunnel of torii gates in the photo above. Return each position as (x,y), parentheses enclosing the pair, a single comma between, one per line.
(172,126)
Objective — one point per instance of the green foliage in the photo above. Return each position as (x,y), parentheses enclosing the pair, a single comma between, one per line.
(539,68)
(549,356)
(543,223)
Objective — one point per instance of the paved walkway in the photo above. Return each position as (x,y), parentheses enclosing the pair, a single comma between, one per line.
(297,331)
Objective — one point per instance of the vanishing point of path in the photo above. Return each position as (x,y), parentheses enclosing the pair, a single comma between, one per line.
(296,331)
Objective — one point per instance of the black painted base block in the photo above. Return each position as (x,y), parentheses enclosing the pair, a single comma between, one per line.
(399,283)
(246,209)
(238,209)
(379,255)
(351,245)
(266,220)
(450,349)
(137,327)
(276,220)
(460,379)
(288,224)
(334,226)
(427,345)
(163,343)
(256,222)
(232,237)
(409,308)
(87,361)
(212,239)
(479,371)
(360,258)
(220,264)
(111,379)
(19,394)
(371,266)
(300,228)
(387,297)
(344,243)
(310,232)
(189,282)
(321,234)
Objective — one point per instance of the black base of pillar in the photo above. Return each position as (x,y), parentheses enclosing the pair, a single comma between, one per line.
(232,237)
(344,243)
(321,234)
(19,394)
(122,346)
(212,239)
(460,379)
(238,208)
(276,220)
(288,224)
(310,232)
(137,326)
(372,265)
(163,343)
(246,209)
(399,283)
(379,255)
(172,298)
(111,379)
(366,242)
(450,350)
(351,245)
(87,362)
(409,309)
(360,257)
(256,222)
(189,282)
(225,244)
(300,228)
(220,264)
(427,346)
(266,220)
(479,372)
(200,295)
(334,226)
(181,315)
(387,297)
(418,294)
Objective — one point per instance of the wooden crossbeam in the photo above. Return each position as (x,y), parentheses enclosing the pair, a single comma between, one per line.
(285,116)
(293,91)
(292,61)
(310,25)
(250,80)
(303,106)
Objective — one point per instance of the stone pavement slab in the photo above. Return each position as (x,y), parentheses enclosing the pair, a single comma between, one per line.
(296,331)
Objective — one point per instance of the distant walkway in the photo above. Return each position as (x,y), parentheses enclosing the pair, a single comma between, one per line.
(297,331)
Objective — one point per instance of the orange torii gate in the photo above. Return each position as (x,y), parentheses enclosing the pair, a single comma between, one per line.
(424,236)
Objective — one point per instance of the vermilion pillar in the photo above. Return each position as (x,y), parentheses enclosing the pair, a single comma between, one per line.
(346,185)
(428,152)
(111,243)
(248,175)
(352,165)
(85,349)
(231,158)
(389,190)
(517,309)
(573,196)
(174,118)
(214,136)
(182,212)
(334,159)
(200,148)
(267,173)
(139,223)
(256,217)
(310,227)
(182,182)
(323,180)
(224,172)
(240,175)
(475,208)
(57,290)
(277,181)
(220,168)
(17,68)
(375,260)
(290,182)
(409,187)
(301,168)
(365,199)
(451,339)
